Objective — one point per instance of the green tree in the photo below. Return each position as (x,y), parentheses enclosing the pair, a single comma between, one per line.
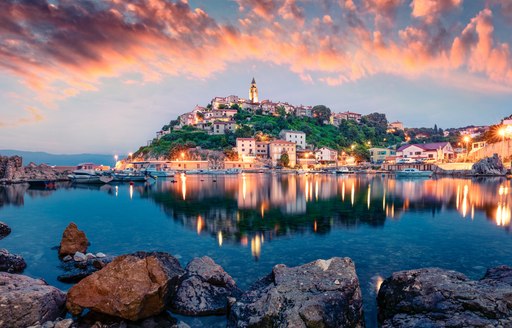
(284,160)
(321,113)
(281,111)
(244,131)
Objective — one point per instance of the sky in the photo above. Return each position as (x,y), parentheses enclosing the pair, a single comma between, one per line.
(103,76)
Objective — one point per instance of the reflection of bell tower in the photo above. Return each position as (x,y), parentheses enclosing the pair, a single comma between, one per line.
(253,92)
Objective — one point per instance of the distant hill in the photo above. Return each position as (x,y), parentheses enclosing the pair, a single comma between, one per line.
(59,159)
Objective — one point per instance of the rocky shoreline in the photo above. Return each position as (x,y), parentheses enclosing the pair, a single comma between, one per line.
(13,171)
(143,289)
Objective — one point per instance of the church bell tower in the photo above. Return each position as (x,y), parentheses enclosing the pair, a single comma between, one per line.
(253,92)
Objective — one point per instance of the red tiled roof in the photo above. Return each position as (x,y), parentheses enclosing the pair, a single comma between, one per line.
(427,146)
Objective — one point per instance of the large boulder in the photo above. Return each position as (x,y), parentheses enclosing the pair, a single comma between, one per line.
(11,263)
(5,230)
(24,301)
(324,293)
(132,287)
(489,166)
(434,297)
(204,289)
(73,240)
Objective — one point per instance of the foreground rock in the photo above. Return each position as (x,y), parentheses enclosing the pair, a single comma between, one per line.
(204,289)
(73,240)
(11,263)
(5,230)
(489,166)
(74,271)
(132,287)
(25,301)
(440,298)
(324,293)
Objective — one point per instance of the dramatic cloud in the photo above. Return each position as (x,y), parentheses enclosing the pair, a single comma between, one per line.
(430,10)
(60,48)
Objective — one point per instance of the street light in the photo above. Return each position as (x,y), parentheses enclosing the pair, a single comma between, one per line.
(182,155)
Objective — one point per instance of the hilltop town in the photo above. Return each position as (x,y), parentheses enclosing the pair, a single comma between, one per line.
(234,132)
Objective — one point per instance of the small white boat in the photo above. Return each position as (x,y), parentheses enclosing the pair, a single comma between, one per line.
(233,171)
(411,172)
(86,173)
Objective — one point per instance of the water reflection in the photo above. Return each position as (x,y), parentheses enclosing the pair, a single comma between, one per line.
(250,209)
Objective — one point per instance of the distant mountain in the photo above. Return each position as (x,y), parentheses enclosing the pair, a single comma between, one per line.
(59,159)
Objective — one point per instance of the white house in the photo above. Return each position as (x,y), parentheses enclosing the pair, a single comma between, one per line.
(325,154)
(297,137)
(436,151)
(246,147)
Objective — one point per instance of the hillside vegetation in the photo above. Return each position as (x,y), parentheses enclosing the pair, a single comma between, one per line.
(369,132)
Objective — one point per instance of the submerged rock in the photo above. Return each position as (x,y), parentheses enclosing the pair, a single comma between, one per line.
(76,271)
(204,289)
(489,166)
(73,240)
(434,297)
(93,319)
(5,230)
(11,263)
(132,287)
(25,301)
(324,293)
(79,257)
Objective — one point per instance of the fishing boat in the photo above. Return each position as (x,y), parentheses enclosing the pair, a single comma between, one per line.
(85,173)
(413,173)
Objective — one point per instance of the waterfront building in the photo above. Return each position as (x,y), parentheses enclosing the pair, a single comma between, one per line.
(297,137)
(262,149)
(245,147)
(437,151)
(379,155)
(279,147)
(326,155)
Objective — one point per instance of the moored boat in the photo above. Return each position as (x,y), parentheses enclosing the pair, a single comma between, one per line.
(126,177)
(413,173)
(85,173)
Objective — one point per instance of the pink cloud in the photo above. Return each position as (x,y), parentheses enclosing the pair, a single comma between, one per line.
(60,51)
(430,10)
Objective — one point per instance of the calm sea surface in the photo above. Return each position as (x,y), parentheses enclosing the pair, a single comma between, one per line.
(249,223)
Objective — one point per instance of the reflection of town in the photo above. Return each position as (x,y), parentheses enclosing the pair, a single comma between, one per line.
(252,209)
